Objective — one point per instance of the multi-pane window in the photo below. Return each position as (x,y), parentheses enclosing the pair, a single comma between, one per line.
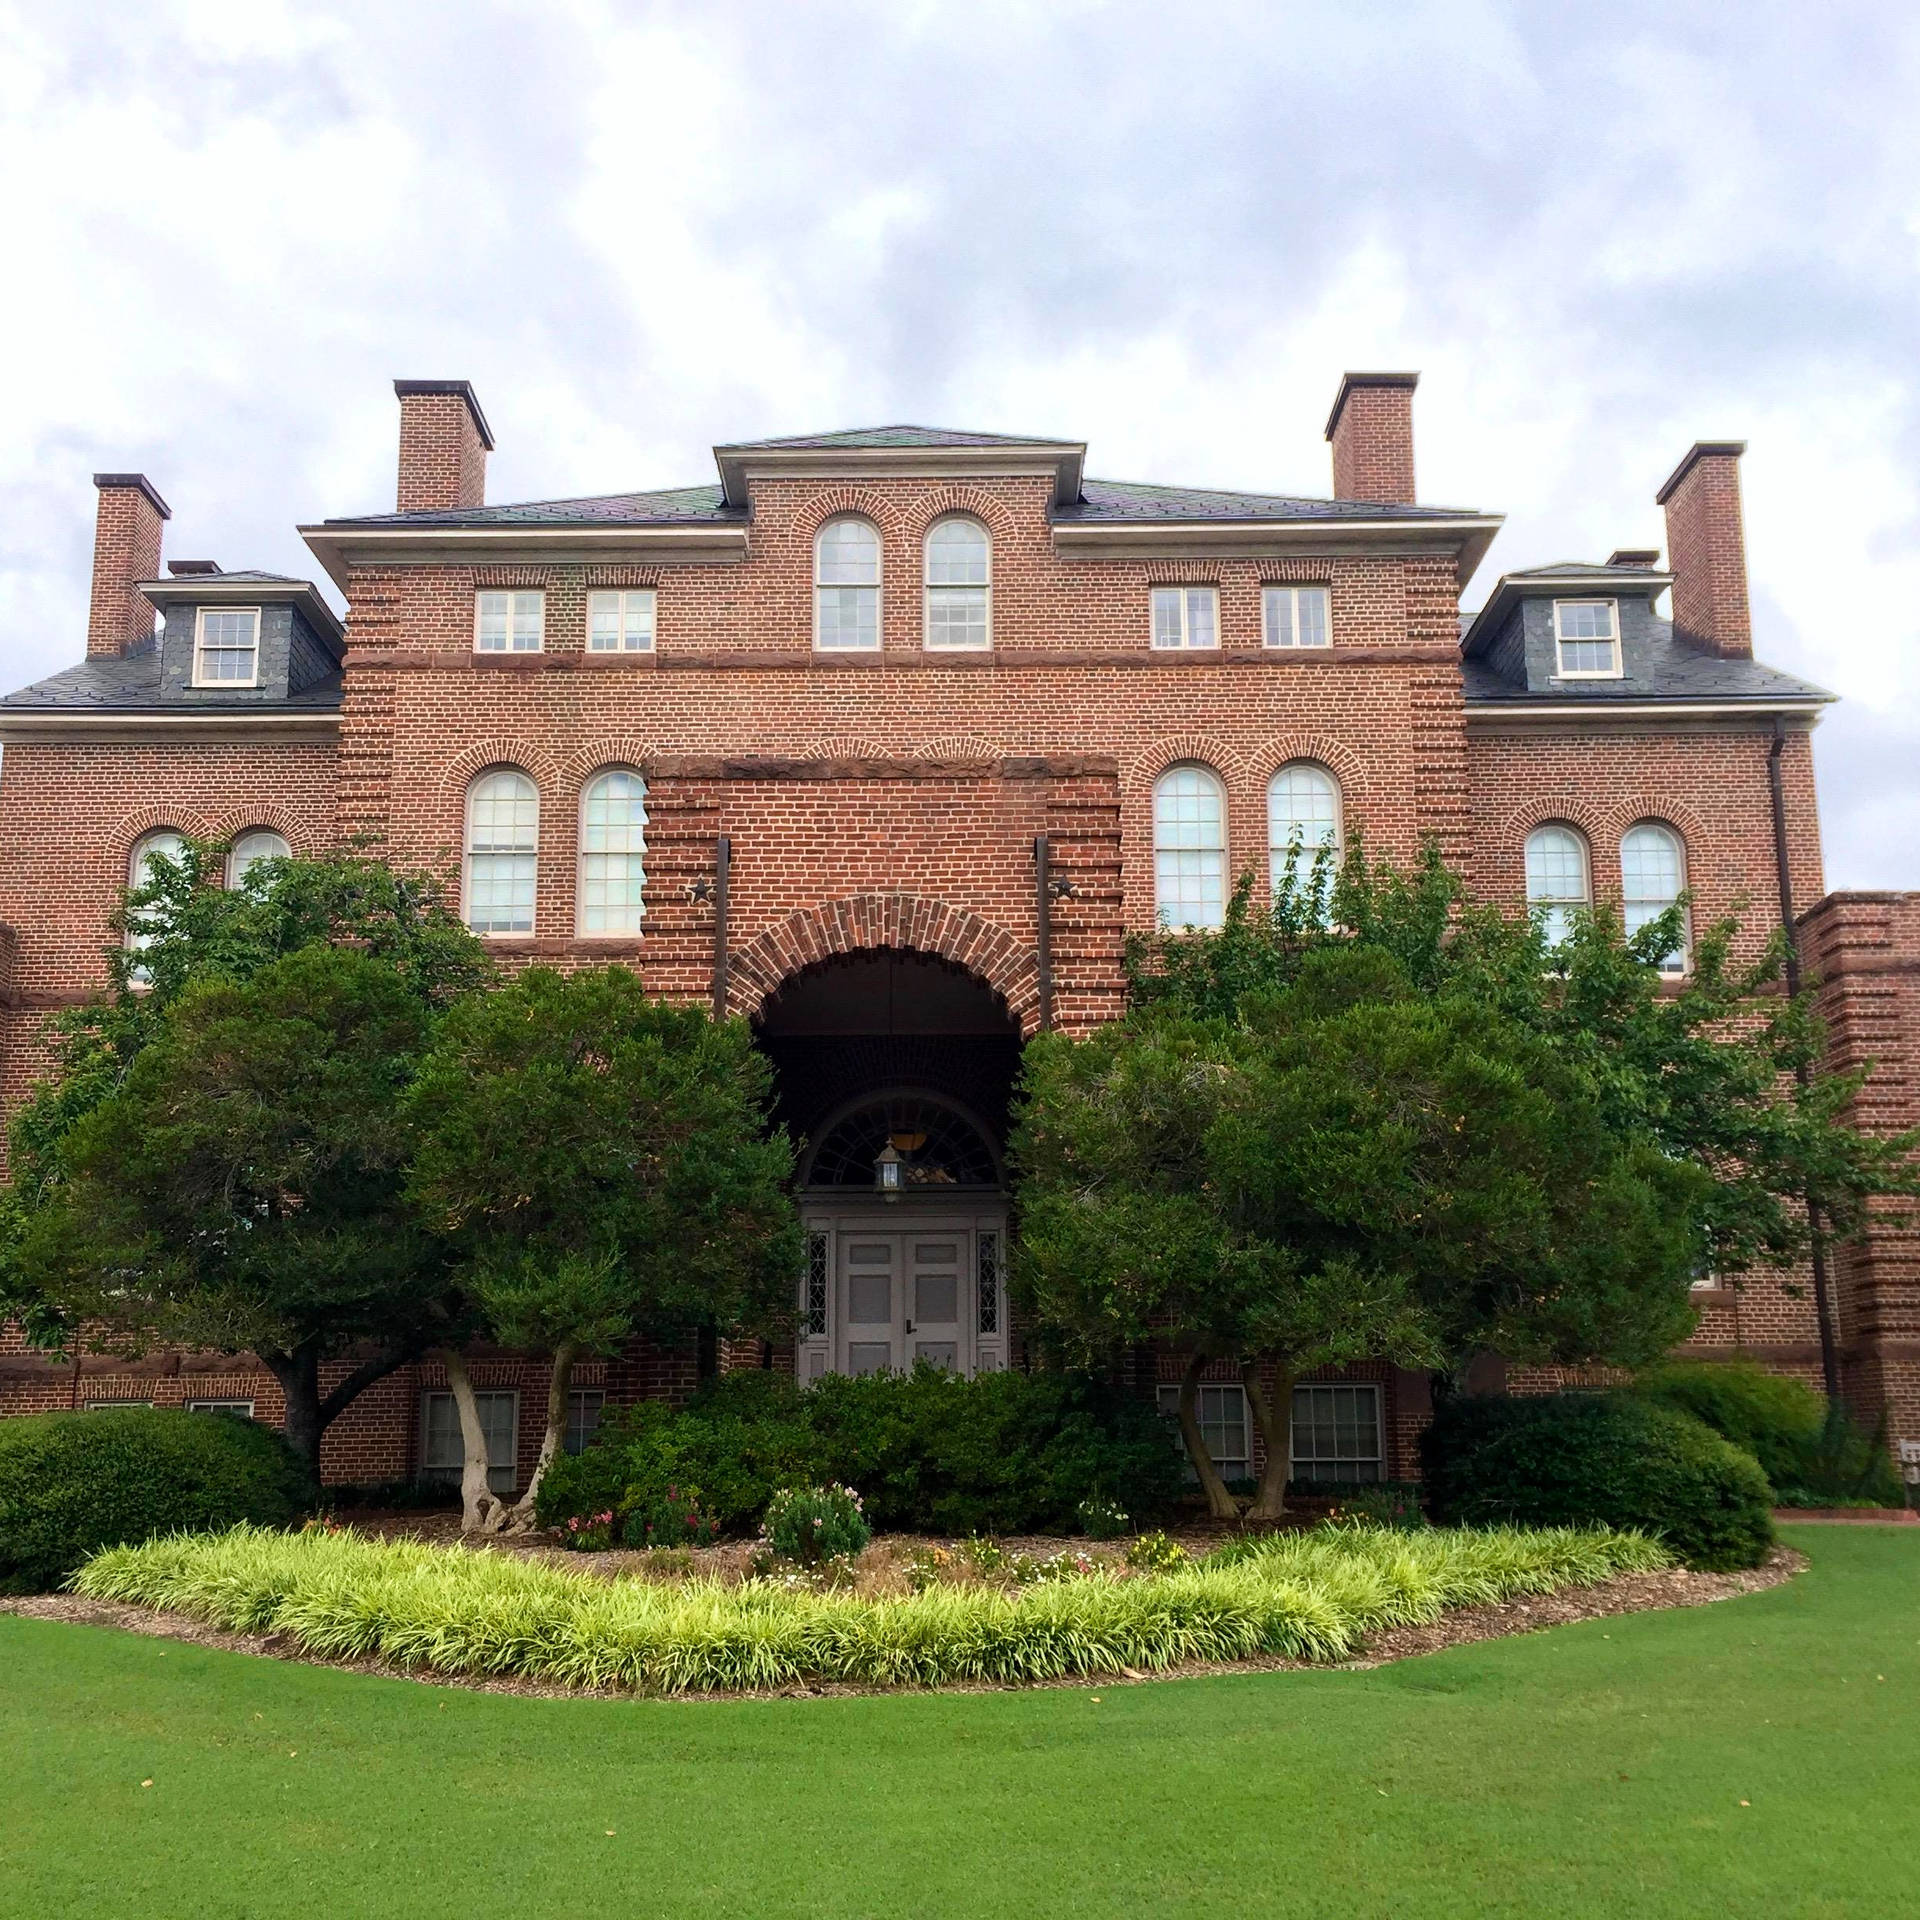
(989,1277)
(166,844)
(1222,1414)
(959,584)
(613,852)
(240,1409)
(846,585)
(1295,617)
(1653,873)
(584,1408)
(226,647)
(620,622)
(1556,879)
(509,622)
(503,840)
(1186,617)
(114,1406)
(1588,635)
(813,1288)
(1189,849)
(443,1449)
(250,849)
(1303,816)
(1336,1433)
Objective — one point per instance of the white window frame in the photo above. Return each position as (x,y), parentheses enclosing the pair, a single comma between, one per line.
(1272,593)
(1547,904)
(501,1478)
(200,678)
(136,860)
(878,587)
(467,857)
(626,601)
(1683,954)
(1185,591)
(1562,641)
(1229,1466)
(580,883)
(244,1408)
(235,872)
(929,587)
(1225,891)
(114,1406)
(1278,849)
(1297,1469)
(512,596)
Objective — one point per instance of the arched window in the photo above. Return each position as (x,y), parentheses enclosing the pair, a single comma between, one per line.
(1653,874)
(1303,815)
(613,852)
(846,585)
(165,843)
(959,584)
(503,840)
(1556,879)
(246,853)
(1189,848)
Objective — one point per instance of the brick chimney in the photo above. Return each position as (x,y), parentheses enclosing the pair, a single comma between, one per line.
(1707,549)
(1371,427)
(126,550)
(444,443)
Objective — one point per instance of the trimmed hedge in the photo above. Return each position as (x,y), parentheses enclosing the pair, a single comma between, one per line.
(1583,1459)
(927,1451)
(72,1483)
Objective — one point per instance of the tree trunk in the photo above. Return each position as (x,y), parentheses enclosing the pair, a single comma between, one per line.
(559,1388)
(298,1373)
(481,1510)
(1276,1437)
(1219,1500)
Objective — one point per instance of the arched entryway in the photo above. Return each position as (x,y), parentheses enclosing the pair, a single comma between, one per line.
(905,1057)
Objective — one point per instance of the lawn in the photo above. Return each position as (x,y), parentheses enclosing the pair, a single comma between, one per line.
(1595,1769)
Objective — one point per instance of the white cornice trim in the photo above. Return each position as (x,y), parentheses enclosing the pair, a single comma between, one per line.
(340,548)
(1061,461)
(1579,711)
(233,728)
(217,589)
(1467,537)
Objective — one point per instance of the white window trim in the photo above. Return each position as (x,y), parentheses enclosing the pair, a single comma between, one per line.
(1295,1464)
(580,857)
(1561,671)
(1679,840)
(1183,588)
(621,594)
(1294,588)
(1584,900)
(442,1393)
(1277,850)
(1224,850)
(466,854)
(927,588)
(247,833)
(199,648)
(1234,1466)
(509,651)
(878,589)
(244,1408)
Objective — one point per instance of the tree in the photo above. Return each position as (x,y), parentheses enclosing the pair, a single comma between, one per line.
(241,1186)
(1345,1168)
(600,1164)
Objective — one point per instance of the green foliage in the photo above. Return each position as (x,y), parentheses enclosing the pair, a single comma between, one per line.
(1815,1457)
(72,1483)
(1156,1553)
(1382,1504)
(1101,1518)
(1611,1459)
(1310,1596)
(928,1451)
(809,1525)
(670,1518)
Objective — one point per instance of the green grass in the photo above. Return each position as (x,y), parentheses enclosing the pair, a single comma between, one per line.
(1308,1596)
(1593,1770)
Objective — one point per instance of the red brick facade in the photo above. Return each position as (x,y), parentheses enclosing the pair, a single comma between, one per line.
(892,799)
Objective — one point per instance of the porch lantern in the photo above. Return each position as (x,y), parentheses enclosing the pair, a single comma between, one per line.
(889,1173)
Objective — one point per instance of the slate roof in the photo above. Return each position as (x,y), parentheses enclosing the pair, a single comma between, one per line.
(1102,500)
(130,683)
(1667,670)
(855,437)
(669,506)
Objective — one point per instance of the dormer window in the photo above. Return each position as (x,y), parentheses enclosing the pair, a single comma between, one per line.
(1587,634)
(226,647)
(509,622)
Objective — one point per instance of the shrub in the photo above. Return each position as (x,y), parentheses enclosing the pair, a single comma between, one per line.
(71,1483)
(1381,1503)
(812,1524)
(1581,1459)
(1155,1553)
(1312,1595)
(1814,1456)
(672,1518)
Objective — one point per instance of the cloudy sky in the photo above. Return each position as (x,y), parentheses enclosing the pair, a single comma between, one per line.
(1600,232)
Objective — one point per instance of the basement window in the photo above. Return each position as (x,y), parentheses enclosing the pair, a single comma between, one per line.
(226,647)
(243,1409)
(1186,617)
(509,622)
(1587,633)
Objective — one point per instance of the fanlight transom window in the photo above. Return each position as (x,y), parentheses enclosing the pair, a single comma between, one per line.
(846,576)
(503,843)
(250,849)
(613,851)
(1189,849)
(959,584)
(1303,817)
(1556,880)
(940,1146)
(1653,874)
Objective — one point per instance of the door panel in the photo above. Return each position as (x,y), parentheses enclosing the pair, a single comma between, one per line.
(871,1299)
(935,1267)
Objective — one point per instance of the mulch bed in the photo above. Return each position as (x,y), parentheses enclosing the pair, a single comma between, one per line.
(1626,1593)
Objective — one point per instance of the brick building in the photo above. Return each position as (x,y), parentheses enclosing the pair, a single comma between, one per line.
(885,742)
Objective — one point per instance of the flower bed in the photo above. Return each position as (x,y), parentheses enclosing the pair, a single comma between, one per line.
(1303,1596)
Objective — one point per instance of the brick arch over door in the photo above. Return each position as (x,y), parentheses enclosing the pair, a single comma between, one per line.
(875,921)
